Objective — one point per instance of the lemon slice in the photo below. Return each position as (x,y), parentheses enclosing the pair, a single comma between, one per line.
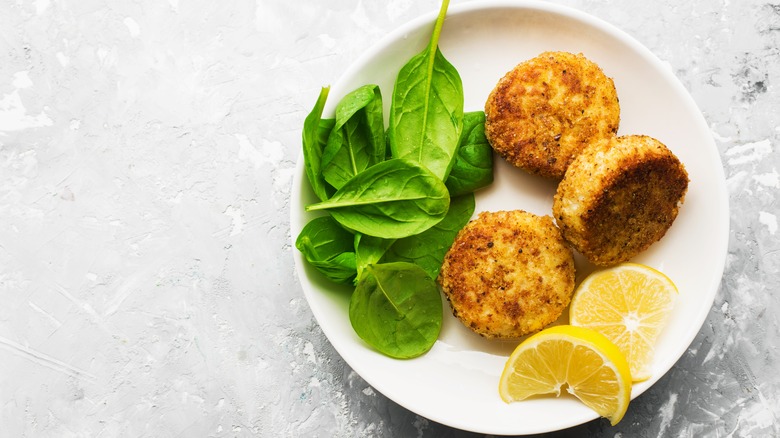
(629,304)
(578,360)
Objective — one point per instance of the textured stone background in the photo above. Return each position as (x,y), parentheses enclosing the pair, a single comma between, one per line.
(147,285)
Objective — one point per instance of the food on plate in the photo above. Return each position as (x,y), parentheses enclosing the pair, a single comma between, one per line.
(396,308)
(508,274)
(388,219)
(393,199)
(580,361)
(542,113)
(473,166)
(618,197)
(629,304)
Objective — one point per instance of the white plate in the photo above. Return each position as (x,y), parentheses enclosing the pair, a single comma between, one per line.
(456,382)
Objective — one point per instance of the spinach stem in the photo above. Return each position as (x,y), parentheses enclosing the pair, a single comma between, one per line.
(433,47)
(350,151)
(381,287)
(330,203)
(439,24)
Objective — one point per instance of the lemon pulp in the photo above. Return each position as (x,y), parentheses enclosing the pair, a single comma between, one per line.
(629,304)
(578,360)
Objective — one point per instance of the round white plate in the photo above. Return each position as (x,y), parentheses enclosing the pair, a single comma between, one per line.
(456,382)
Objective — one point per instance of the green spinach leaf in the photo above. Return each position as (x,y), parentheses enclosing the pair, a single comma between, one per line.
(356,141)
(313,132)
(393,199)
(369,250)
(426,112)
(473,167)
(397,309)
(328,247)
(428,248)
(323,131)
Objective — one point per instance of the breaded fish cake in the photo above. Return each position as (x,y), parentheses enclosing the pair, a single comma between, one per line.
(508,273)
(618,197)
(546,110)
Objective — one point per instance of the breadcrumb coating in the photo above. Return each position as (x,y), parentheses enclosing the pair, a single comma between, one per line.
(547,109)
(508,274)
(618,197)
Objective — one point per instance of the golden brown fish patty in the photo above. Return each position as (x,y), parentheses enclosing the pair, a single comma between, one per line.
(546,110)
(508,273)
(618,197)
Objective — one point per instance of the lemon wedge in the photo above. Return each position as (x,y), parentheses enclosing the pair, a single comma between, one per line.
(577,360)
(629,304)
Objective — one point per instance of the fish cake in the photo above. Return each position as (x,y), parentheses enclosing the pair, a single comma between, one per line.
(542,113)
(508,274)
(619,197)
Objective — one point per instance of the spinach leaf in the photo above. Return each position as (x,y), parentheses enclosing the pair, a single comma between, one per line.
(393,199)
(396,308)
(428,248)
(427,108)
(313,130)
(323,131)
(369,250)
(356,141)
(328,247)
(473,167)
